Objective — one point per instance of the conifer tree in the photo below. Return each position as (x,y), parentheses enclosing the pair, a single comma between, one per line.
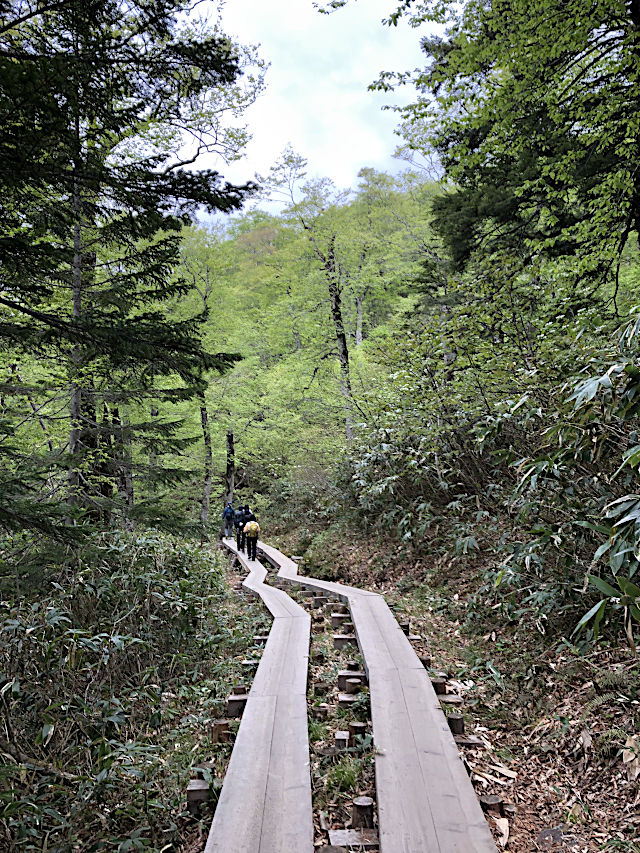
(103,106)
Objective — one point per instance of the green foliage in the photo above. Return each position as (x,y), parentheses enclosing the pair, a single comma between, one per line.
(92,209)
(107,677)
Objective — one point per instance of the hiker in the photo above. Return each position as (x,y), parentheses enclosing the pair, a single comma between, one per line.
(227,518)
(252,530)
(239,523)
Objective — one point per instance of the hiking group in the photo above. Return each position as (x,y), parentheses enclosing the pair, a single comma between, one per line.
(246,527)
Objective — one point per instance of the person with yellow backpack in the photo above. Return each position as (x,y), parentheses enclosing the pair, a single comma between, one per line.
(252,531)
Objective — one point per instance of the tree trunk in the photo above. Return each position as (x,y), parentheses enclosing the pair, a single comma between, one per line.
(75,405)
(359,313)
(153,412)
(106,462)
(124,465)
(335,294)
(208,465)
(230,475)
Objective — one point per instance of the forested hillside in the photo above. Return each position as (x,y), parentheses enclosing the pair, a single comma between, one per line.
(428,381)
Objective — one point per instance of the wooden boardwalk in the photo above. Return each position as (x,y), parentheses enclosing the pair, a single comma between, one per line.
(425,800)
(265,804)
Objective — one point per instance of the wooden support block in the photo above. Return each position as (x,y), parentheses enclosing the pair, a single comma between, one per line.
(469,740)
(354,839)
(260,639)
(352,685)
(426,661)
(405,626)
(249,663)
(345,700)
(236,704)
(356,730)
(239,690)
(319,601)
(220,732)
(331,848)
(456,724)
(439,685)
(338,619)
(353,665)
(320,688)
(341,641)
(362,813)
(197,793)
(344,674)
(509,810)
(341,740)
(321,711)
(491,803)
(414,638)
(451,699)
(199,770)
(347,628)
(296,559)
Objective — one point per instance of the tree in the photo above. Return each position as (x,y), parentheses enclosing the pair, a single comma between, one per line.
(536,124)
(93,211)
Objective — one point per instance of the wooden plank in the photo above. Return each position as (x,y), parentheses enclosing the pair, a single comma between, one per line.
(425,799)
(265,803)
(285,824)
(237,823)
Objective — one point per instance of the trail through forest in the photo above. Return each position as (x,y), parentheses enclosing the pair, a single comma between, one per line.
(426,383)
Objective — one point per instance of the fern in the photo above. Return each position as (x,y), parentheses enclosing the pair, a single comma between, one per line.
(628,681)
(596,703)
(609,741)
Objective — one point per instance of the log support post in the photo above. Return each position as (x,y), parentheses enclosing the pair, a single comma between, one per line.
(362,813)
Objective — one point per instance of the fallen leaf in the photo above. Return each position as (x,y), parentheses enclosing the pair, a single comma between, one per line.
(586,739)
(631,757)
(503,826)
(500,768)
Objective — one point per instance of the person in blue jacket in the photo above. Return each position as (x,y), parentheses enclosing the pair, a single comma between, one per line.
(227,518)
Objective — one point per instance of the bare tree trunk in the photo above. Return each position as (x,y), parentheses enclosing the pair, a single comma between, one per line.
(106,462)
(230,475)
(128,473)
(294,322)
(208,465)
(335,295)
(124,465)
(153,411)
(75,405)
(359,313)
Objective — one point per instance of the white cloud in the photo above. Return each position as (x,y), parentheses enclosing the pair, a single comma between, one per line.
(317,96)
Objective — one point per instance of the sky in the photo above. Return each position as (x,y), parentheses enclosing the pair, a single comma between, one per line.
(316,97)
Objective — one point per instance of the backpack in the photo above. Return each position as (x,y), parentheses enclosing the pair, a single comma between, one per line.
(238,517)
(253,528)
(228,512)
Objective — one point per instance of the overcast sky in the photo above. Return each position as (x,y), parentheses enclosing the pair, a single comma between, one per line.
(316,96)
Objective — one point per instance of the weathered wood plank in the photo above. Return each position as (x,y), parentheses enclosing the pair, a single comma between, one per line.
(425,799)
(265,803)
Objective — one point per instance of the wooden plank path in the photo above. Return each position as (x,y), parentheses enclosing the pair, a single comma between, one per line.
(426,803)
(265,803)
(425,800)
